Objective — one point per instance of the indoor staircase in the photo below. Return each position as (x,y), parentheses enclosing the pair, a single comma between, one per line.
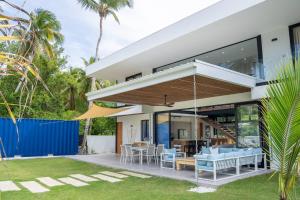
(227,132)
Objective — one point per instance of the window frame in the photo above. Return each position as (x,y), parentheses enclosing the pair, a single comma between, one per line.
(259,52)
(292,43)
(143,122)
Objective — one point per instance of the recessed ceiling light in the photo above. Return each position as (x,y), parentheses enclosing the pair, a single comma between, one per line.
(242,49)
(223,52)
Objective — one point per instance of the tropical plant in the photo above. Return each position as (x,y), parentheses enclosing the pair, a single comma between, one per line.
(103,8)
(281,111)
(43,33)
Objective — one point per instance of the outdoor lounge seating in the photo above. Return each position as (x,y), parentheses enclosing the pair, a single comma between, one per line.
(218,159)
(168,158)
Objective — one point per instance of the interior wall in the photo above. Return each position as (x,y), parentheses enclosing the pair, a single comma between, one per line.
(132,127)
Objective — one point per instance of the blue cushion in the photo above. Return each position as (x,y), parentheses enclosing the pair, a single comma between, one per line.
(225,150)
(210,164)
(257,151)
(170,154)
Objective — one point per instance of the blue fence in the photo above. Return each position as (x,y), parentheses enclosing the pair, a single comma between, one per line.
(36,137)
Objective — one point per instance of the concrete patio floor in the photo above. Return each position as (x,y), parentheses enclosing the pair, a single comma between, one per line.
(113,161)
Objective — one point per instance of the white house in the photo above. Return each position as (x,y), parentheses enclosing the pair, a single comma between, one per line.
(215,62)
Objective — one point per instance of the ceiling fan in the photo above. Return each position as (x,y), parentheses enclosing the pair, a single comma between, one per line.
(166,103)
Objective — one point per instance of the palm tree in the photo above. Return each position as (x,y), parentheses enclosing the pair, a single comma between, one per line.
(103,8)
(282,120)
(43,33)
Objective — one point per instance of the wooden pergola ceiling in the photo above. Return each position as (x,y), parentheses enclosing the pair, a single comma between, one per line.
(176,91)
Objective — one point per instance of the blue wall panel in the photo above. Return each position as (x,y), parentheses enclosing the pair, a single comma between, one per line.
(36,137)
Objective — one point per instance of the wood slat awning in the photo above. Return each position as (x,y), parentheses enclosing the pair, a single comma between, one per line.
(176,91)
(186,82)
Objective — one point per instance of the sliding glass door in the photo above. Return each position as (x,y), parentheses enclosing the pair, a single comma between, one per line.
(248,125)
(162,128)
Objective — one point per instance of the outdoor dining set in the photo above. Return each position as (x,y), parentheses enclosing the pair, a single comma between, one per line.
(143,151)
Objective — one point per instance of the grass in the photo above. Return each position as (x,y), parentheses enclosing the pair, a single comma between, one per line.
(132,188)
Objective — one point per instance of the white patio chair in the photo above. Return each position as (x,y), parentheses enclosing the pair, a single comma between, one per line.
(130,154)
(123,153)
(159,150)
(150,153)
(168,157)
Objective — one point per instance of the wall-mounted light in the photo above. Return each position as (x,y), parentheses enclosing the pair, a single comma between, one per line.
(274,39)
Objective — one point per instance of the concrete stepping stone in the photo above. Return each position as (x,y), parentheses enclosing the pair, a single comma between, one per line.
(106,178)
(83,177)
(6,186)
(72,181)
(135,174)
(50,182)
(34,187)
(202,190)
(113,174)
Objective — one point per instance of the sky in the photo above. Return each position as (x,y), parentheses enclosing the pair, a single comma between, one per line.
(81,27)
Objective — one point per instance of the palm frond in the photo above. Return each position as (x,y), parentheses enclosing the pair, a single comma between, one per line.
(282,119)
(89,5)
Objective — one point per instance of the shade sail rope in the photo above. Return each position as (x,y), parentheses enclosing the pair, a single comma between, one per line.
(195,112)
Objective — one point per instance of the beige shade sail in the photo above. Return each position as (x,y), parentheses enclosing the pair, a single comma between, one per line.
(98,111)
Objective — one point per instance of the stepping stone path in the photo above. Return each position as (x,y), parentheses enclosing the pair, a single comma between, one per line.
(34,187)
(135,174)
(83,177)
(113,174)
(76,180)
(106,178)
(50,182)
(6,186)
(72,181)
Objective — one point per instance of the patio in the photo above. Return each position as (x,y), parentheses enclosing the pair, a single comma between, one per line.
(113,161)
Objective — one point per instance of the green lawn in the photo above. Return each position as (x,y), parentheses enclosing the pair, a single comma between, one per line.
(132,188)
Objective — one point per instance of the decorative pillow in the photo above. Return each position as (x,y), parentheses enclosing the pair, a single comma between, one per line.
(214,151)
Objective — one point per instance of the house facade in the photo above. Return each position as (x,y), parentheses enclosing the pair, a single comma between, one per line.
(200,81)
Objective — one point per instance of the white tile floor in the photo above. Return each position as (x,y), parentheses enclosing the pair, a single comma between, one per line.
(113,161)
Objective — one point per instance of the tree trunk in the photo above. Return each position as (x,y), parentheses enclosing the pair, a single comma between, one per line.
(89,121)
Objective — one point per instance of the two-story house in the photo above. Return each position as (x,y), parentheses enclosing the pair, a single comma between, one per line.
(200,80)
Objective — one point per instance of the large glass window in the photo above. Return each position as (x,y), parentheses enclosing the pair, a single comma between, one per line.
(248,125)
(295,37)
(244,57)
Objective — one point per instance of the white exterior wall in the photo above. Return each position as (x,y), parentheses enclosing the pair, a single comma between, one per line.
(132,127)
(277,51)
(101,144)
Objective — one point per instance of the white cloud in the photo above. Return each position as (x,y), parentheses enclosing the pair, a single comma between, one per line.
(81,28)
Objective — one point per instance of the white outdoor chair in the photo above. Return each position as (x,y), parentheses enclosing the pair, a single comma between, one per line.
(168,157)
(159,150)
(130,154)
(150,153)
(123,153)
